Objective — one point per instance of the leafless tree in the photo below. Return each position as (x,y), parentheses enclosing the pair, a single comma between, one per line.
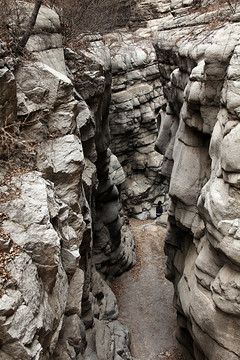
(90,16)
(232,5)
(15,24)
(77,17)
(31,24)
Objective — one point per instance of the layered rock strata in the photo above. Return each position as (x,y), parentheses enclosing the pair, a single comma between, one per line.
(62,232)
(198,133)
(174,88)
(135,103)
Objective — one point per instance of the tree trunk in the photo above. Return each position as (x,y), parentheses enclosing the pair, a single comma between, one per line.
(30,25)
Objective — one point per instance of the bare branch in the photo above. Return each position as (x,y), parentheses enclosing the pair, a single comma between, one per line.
(232,7)
(30,25)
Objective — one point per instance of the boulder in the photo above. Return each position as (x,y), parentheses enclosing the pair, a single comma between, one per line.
(61,159)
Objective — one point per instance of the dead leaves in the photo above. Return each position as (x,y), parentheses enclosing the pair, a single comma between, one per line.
(5,258)
(3,216)
(8,191)
(11,250)
(8,249)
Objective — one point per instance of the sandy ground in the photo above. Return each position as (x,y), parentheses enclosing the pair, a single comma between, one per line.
(145,297)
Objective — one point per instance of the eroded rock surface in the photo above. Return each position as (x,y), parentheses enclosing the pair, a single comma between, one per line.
(136,98)
(120,122)
(62,231)
(199,76)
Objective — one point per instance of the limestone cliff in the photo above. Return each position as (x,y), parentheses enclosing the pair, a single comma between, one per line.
(62,231)
(198,56)
(136,98)
(197,85)
(120,121)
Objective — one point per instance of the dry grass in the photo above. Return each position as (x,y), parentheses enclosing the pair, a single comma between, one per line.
(8,253)
(9,191)
(5,258)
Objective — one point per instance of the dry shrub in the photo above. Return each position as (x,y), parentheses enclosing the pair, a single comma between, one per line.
(11,20)
(16,147)
(80,17)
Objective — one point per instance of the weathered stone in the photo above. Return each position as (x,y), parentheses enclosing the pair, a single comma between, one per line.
(45,314)
(8,102)
(186,86)
(63,156)
(75,293)
(204,180)
(5,356)
(50,88)
(116,172)
(107,303)
(72,340)
(135,101)
(29,224)
(46,40)
(192,163)
(225,290)
(70,259)
(9,303)
(230,159)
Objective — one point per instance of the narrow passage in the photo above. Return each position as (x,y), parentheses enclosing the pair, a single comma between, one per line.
(145,297)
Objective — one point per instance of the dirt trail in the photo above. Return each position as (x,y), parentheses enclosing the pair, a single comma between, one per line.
(145,297)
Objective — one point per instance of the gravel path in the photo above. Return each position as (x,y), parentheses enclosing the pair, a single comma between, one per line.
(145,297)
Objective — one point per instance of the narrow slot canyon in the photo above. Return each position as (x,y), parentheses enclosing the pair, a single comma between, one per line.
(106,110)
(145,296)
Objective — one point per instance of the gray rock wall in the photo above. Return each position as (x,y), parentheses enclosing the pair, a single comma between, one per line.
(62,232)
(135,103)
(107,124)
(196,113)
(198,133)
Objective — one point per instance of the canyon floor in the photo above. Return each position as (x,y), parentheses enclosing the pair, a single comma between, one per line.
(145,297)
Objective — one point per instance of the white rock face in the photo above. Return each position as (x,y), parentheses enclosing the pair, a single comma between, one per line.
(46,41)
(39,286)
(63,157)
(61,220)
(199,74)
(134,106)
(165,99)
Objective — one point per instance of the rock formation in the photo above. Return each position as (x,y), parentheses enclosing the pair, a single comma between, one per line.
(199,71)
(62,231)
(108,129)
(136,98)
(197,53)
